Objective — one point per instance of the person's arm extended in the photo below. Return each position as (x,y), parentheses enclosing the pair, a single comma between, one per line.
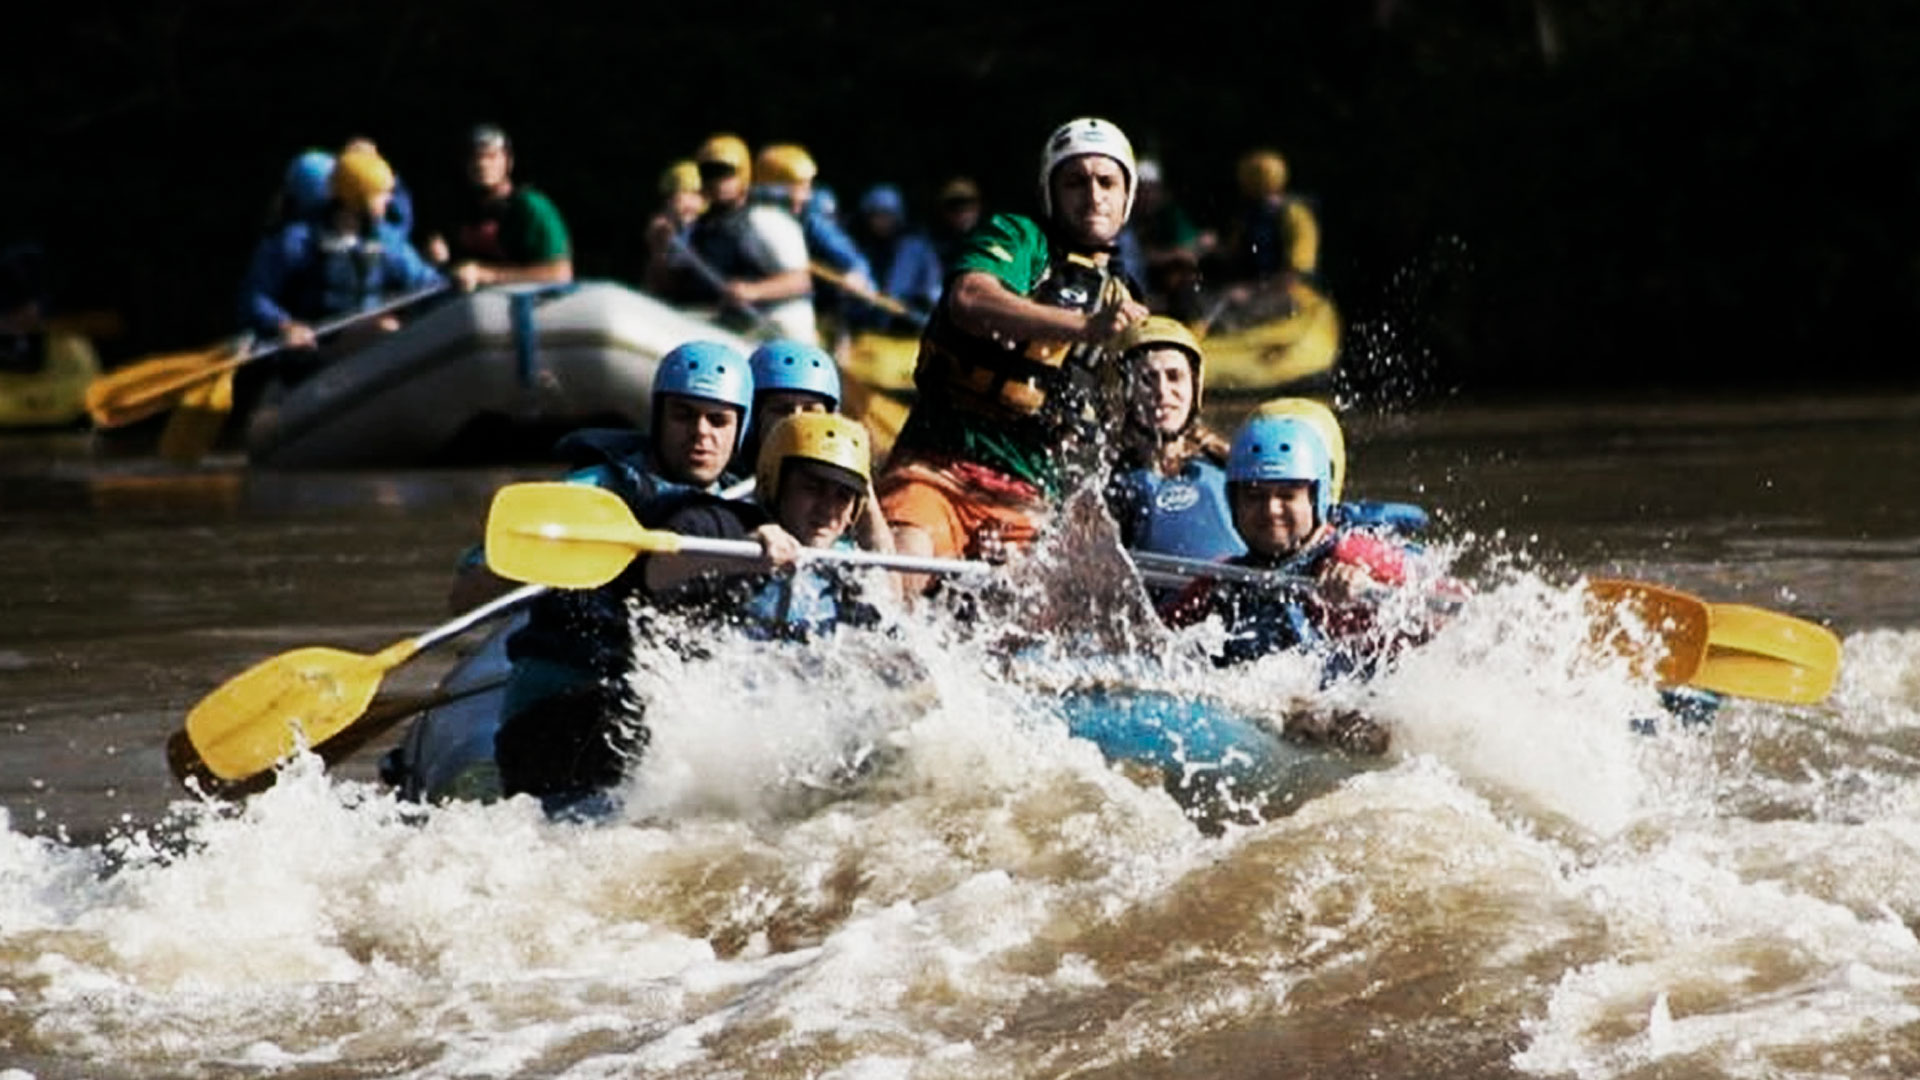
(473,275)
(983,304)
(266,276)
(778,548)
(784,285)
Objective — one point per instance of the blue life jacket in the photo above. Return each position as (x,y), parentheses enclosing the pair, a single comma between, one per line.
(811,600)
(309,273)
(1397,518)
(1186,515)
(1264,618)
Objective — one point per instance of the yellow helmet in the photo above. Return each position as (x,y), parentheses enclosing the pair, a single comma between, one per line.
(826,438)
(1262,173)
(1316,415)
(358,175)
(680,178)
(1163,331)
(784,163)
(726,149)
(1158,330)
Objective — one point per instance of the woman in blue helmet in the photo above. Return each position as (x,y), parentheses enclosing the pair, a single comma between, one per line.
(561,729)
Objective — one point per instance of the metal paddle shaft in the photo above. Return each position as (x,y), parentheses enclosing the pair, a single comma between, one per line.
(877,300)
(1730,648)
(911,564)
(575,536)
(130,399)
(1159,569)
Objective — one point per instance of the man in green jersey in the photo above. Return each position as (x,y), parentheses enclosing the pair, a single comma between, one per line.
(508,233)
(1028,305)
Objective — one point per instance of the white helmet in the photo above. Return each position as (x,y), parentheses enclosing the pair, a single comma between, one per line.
(1086,135)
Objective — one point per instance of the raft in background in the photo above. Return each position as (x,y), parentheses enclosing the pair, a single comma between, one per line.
(476,376)
(46,386)
(1294,355)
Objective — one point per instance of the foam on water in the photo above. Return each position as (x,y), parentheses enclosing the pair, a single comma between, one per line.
(880,858)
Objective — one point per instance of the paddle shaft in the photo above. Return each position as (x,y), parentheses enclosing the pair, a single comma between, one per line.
(191,379)
(912,564)
(499,605)
(382,716)
(1157,569)
(866,296)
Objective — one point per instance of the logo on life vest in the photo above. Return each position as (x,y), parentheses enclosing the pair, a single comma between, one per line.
(1175,497)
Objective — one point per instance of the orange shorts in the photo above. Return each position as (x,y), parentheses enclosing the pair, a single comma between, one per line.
(955,501)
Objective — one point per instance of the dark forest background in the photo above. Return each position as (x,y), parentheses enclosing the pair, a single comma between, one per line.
(1513,193)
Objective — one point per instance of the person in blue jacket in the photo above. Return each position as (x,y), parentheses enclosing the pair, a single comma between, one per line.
(1168,488)
(568,685)
(347,258)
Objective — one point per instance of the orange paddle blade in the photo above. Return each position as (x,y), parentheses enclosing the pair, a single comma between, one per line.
(1680,622)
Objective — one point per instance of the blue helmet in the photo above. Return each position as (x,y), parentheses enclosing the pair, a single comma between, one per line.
(785,364)
(883,199)
(824,202)
(709,370)
(1283,448)
(308,183)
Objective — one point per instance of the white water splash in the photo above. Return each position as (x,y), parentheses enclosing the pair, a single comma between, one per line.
(993,899)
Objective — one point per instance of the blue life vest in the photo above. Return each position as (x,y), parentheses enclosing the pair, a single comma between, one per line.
(1397,518)
(621,460)
(1186,515)
(809,601)
(1267,618)
(345,272)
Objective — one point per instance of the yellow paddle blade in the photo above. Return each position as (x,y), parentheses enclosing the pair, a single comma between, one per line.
(1681,622)
(196,422)
(256,719)
(1763,678)
(567,536)
(1743,628)
(1768,656)
(139,390)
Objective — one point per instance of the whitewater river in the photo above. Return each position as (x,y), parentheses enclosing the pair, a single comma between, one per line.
(1523,887)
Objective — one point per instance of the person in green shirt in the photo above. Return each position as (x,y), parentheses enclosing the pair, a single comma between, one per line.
(1002,412)
(507,233)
